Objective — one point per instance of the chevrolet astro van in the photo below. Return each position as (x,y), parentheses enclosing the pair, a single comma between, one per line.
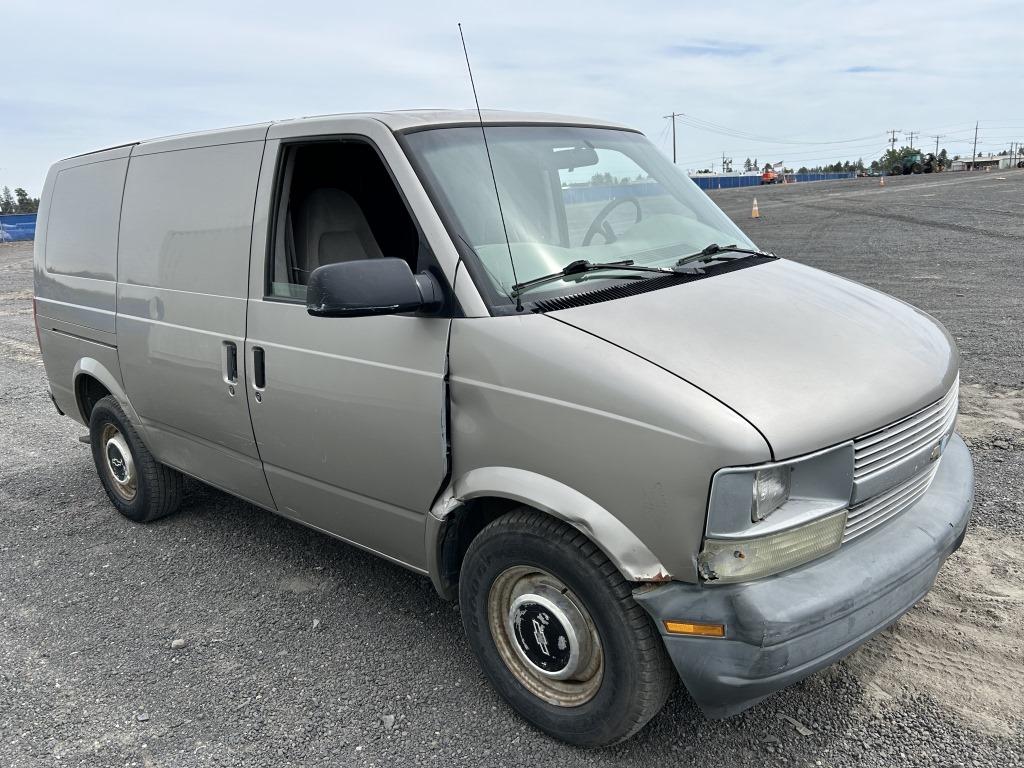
(635,447)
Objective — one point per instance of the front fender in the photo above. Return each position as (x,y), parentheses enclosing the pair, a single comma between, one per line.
(630,555)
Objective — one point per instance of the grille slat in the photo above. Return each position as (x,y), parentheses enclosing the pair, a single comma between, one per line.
(884,448)
(925,414)
(887,441)
(873,512)
(902,449)
(887,446)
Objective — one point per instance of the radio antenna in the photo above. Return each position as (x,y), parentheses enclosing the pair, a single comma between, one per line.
(494,178)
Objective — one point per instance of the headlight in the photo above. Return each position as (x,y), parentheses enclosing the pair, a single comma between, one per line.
(725,560)
(767,518)
(771,490)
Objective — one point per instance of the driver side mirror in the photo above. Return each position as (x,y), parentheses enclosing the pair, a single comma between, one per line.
(370,287)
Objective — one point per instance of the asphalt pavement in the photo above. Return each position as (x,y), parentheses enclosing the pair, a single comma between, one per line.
(227,636)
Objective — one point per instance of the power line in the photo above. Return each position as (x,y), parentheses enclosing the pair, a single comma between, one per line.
(711,127)
(910,137)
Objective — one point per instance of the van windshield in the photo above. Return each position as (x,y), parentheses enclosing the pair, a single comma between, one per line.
(567,193)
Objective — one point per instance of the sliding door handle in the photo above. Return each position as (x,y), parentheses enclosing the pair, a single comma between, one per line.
(259,371)
(230,362)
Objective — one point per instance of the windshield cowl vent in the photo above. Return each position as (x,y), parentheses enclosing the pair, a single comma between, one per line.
(612,292)
(637,287)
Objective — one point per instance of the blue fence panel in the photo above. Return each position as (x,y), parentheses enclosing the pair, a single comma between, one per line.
(732,182)
(17,226)
(725,182)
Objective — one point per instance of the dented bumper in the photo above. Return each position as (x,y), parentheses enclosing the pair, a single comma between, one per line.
(786,627)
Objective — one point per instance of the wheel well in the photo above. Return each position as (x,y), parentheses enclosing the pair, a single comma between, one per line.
(88,392)
(462,526)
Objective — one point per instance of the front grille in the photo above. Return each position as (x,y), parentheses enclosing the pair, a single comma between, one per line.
(863,517)
(882,449)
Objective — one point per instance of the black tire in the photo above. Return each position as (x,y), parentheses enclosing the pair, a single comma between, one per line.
(157,489)
(636,675)
(897,170)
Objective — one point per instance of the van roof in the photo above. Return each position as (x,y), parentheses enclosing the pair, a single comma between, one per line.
(398,120)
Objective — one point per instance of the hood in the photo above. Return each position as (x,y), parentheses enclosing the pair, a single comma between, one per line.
(809,358)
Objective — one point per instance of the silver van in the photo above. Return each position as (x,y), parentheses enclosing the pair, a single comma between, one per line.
(632,445)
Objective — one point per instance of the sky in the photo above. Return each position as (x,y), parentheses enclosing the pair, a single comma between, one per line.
(800,82)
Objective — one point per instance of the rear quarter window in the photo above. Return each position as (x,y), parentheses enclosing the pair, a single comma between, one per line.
(81,230)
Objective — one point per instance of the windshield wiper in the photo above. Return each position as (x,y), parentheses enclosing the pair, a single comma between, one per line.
(714,251)
(581,266)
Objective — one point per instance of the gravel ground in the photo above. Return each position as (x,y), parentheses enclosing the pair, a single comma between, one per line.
(299,650)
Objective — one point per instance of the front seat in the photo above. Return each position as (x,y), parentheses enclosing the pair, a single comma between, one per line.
(330,227)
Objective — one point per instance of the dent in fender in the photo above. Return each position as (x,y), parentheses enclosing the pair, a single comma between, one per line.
(630,555)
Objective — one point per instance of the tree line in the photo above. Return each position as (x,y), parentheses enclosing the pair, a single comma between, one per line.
(18,201)
(889,159)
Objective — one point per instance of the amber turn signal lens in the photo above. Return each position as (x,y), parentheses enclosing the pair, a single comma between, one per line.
(691,628)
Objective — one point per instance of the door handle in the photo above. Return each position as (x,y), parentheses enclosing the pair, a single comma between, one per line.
(230,362)
(259,373)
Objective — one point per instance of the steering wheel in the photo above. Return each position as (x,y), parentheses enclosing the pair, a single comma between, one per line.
(600,224)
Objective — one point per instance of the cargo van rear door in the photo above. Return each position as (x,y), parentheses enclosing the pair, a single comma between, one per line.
(349,413)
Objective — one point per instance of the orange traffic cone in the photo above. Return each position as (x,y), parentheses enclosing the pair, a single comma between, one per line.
(881,181)
(755,214)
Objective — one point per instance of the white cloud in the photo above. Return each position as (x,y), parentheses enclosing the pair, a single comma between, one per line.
(82,76)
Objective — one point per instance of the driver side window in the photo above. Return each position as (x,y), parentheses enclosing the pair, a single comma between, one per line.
(336,202)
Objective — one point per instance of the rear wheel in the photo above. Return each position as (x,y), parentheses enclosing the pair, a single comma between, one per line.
(556,630)
(139,486)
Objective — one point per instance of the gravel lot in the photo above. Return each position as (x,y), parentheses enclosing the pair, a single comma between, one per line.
(300,650)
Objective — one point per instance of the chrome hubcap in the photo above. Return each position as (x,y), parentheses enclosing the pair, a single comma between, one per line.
(119,463)
(545,636)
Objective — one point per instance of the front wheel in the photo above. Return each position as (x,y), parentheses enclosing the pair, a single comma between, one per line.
(556,630)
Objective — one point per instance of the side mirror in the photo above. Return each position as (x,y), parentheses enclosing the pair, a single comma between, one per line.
(370,287)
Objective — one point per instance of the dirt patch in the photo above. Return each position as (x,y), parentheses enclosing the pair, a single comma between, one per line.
(20,350)
(987,412)
(964,643)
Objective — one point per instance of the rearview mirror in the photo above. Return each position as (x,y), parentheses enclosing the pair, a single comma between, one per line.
(577,157)
(370,287)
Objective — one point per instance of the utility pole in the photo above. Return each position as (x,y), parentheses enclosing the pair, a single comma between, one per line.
(892,140)
(910,137)
(726,164)
(940,136)
(974,152)
(672,117)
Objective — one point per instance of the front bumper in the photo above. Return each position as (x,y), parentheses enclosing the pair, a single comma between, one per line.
(786,627)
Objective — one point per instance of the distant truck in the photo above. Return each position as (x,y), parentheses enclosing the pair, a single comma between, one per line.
(917,163)
(774,173)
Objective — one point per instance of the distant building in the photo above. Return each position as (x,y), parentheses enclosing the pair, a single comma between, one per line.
(982,162)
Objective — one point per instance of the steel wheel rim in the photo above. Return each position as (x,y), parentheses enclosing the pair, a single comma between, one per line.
(118,463)
(530,613)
